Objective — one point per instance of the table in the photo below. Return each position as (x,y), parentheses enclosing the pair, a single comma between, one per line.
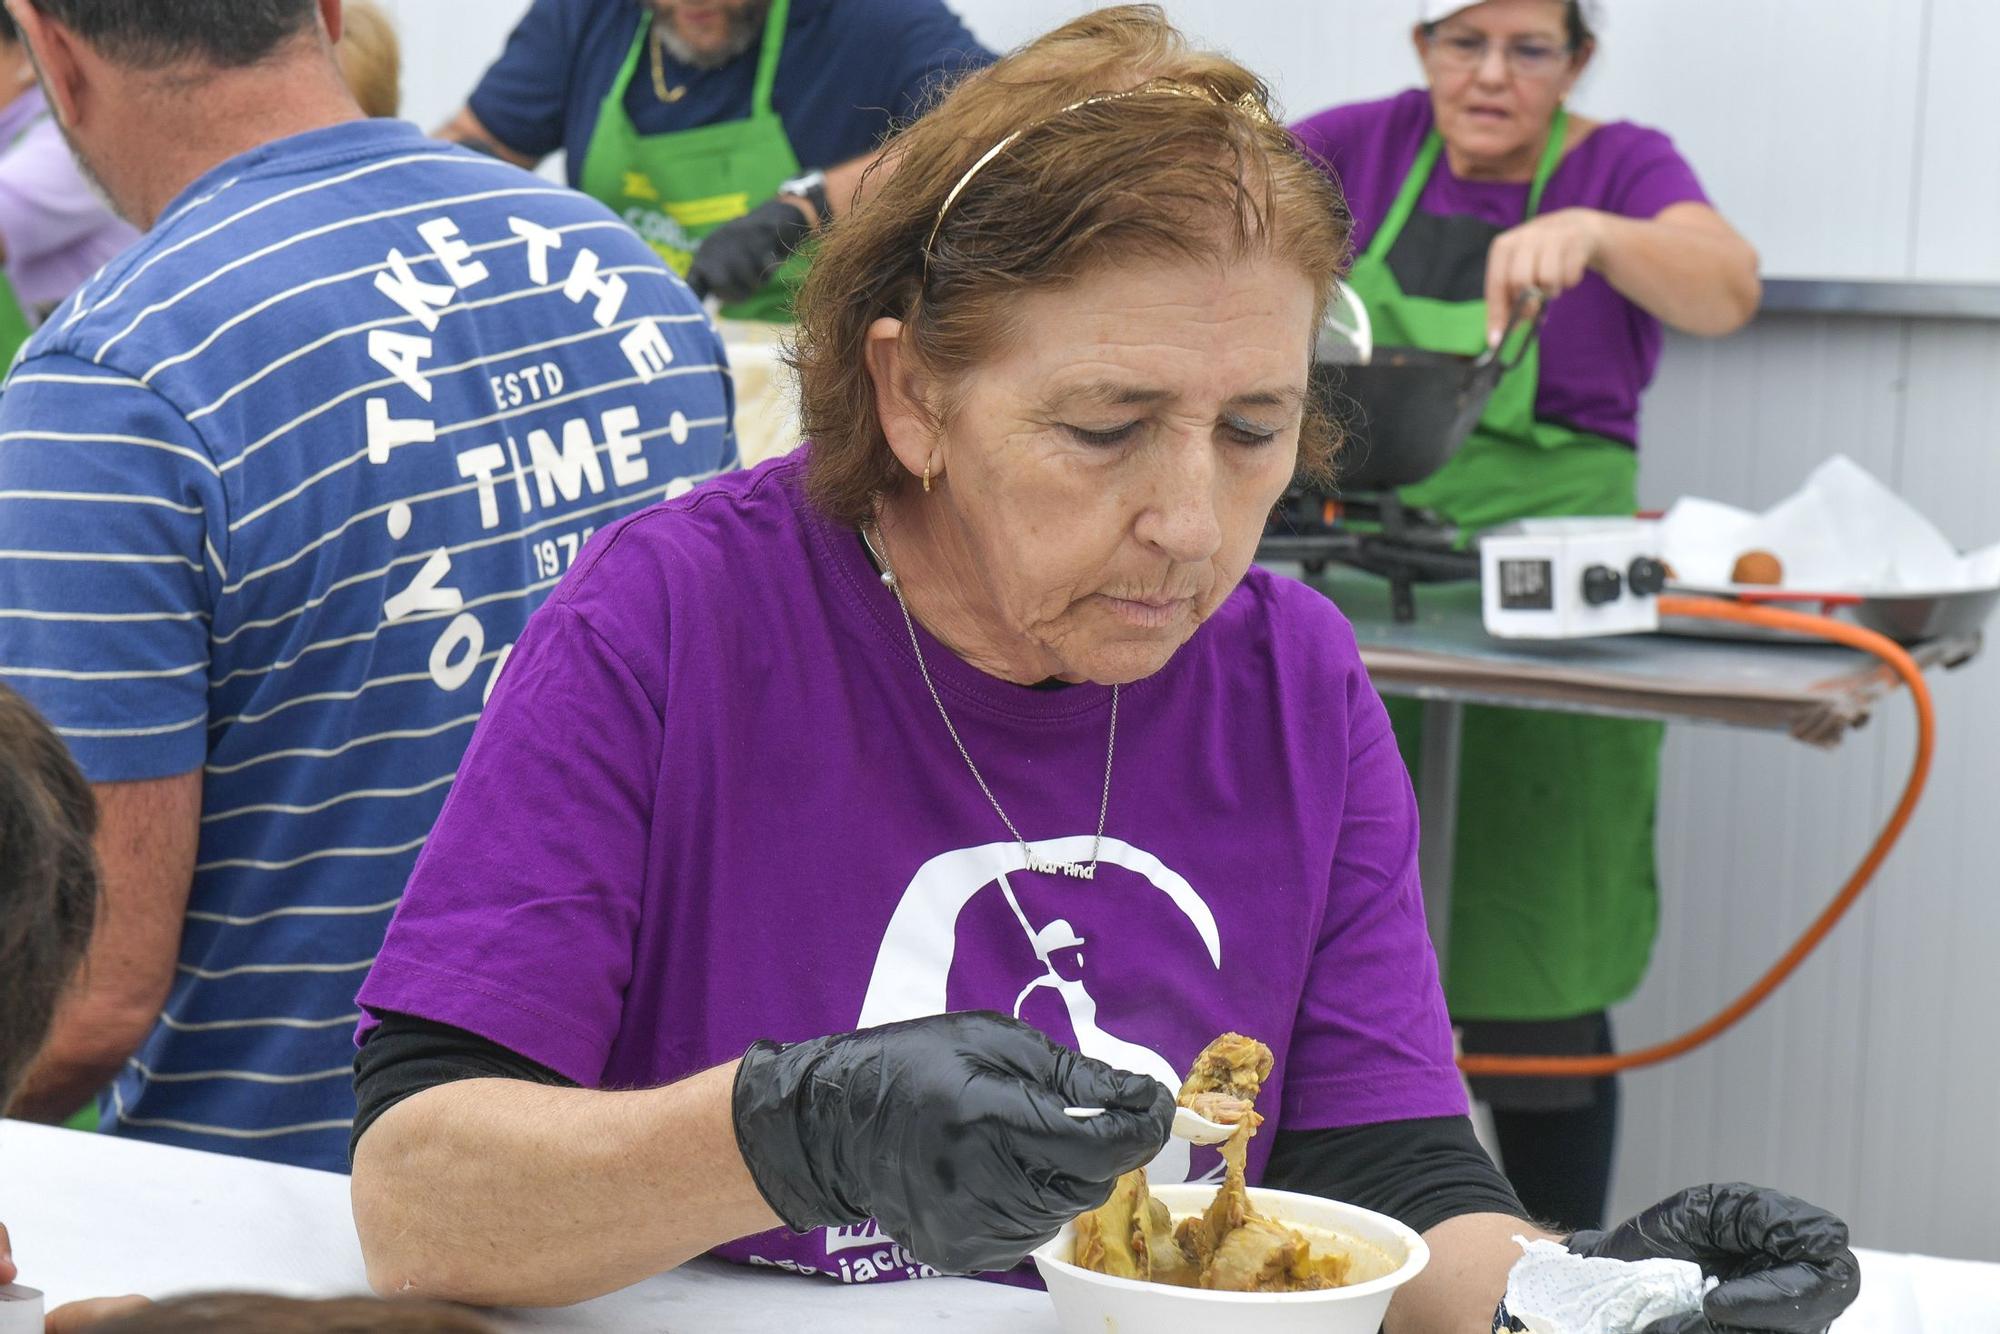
(1815,693)
(1446,659)
(93,1215)
(767,395)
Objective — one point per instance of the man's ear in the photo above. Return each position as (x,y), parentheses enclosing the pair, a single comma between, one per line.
(330,14)
(53,49)
(902,398)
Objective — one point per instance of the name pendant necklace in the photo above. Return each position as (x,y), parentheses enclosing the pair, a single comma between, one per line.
(1034,861)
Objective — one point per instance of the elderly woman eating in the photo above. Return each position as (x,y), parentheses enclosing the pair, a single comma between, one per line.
(813,800)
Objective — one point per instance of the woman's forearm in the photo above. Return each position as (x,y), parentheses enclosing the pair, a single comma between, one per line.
(1690,270)
(500,1192)
(1466,1278)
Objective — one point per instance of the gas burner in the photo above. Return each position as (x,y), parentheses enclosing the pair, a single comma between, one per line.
(1375,533)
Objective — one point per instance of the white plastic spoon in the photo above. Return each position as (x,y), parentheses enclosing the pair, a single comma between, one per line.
(1189,1124)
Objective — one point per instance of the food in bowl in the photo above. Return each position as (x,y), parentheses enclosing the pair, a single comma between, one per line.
(1230,1246)
(1092,1303)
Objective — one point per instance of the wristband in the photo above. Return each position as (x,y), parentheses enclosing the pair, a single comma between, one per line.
(811,187)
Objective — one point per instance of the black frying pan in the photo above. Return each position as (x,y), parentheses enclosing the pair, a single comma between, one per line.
(1406,412)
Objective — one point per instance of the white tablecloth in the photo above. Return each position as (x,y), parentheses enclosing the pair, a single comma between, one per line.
(93,1215)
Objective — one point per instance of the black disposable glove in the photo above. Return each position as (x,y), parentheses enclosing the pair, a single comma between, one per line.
(949,1131)
(1784,1264)
(740,256)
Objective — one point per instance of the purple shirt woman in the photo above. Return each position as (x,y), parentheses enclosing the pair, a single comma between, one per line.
(836,825)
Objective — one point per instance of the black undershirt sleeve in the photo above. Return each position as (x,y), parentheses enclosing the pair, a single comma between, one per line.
(406,1055)
(1419,1172)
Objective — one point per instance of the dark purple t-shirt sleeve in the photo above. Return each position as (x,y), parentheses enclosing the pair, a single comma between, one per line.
(523,98)
(1380,1052)
(519,918)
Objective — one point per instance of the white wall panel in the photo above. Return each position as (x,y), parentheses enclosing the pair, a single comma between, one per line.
(1869,1083)
(1958,181)
(1799,115)
(1313,55)
(447,45)
(1934,1029)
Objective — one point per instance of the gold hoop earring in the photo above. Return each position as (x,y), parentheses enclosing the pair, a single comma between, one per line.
(927,479)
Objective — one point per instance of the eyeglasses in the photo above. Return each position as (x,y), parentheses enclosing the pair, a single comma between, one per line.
(1528,58)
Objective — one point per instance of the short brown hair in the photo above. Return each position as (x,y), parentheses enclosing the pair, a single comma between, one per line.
(255,1313)
(48,881)
(148,35)
(1151,172)
(371,60)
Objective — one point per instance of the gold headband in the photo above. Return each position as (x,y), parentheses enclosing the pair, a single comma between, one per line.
(1248,104)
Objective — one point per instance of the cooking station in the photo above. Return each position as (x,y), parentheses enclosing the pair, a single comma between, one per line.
(1411,587)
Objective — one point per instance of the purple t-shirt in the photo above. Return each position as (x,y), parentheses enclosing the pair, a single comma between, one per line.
(712,802)
(56,230)
(1599,350)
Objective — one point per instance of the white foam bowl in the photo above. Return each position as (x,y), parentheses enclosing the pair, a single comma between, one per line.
(1092,1303)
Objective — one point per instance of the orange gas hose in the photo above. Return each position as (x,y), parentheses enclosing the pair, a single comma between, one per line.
(1822,627)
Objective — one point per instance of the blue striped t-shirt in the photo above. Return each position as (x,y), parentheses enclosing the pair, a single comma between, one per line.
(278,490)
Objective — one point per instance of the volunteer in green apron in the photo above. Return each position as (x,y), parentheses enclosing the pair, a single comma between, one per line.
(1469,193)
(679,187)
(728,132)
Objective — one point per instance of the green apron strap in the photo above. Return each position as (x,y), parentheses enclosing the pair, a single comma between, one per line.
(1420,176)
(619,85)
(1406,198)
(15,326)
(767,58)
(1551,158)
(1552,153)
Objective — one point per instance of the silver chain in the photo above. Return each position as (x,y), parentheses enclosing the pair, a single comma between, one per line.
(1110,748)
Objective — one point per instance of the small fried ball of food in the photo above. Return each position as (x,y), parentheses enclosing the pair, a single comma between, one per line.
(1758,567)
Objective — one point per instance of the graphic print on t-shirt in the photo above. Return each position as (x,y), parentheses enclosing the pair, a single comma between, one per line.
(561,470)
(913,969)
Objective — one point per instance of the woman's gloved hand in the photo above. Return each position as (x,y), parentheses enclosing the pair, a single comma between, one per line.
(1784,1264)
(740,256)
(949,1131)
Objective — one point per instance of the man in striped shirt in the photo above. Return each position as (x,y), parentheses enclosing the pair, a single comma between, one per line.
(278,489)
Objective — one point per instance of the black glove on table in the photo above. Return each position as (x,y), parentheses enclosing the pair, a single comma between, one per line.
(740,256)
(1784,1264)
(949,1131)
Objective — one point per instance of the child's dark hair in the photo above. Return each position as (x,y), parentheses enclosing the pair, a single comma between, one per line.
(48,881)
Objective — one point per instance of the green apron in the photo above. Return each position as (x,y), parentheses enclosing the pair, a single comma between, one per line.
(1554,900)
(678,187)
(14,326)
